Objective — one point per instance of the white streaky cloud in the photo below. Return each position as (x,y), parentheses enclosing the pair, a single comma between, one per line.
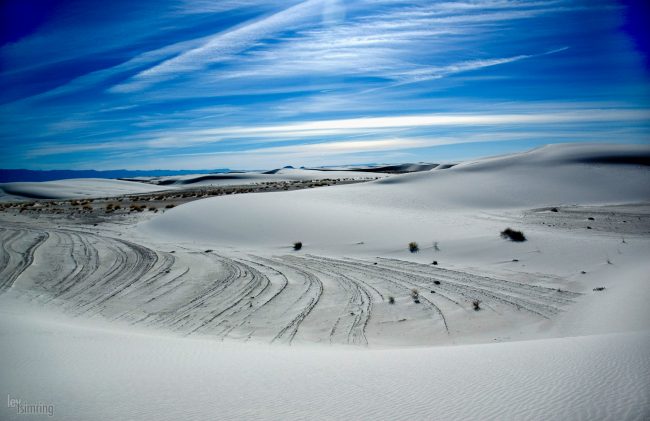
(92,79)
(346,146)
(381,47)
(420,75)
(326,148)
(195,7)
(59,149)
(424,74)
(378,47)
(413,121)
(350,147)
(198,137)
(343,131)
(222,45)
(323,153)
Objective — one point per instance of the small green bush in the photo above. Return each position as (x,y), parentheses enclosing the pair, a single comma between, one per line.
(413,247)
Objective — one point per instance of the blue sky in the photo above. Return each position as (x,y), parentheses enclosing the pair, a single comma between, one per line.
(188,84)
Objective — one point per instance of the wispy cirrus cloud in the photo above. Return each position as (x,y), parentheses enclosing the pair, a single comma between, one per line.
(223,45)
(591,115)
(106,83)
(406,132)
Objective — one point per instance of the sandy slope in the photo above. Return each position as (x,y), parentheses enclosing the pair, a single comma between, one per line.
(403,208)
(106,375)
(98,187)
(277,175)
(546,344)
(73,188)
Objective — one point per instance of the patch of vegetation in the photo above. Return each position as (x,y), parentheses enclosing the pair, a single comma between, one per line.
(391,300)
(413,247)
(599,289)
(297,245)
(513,235)
(476,305)
(415,294)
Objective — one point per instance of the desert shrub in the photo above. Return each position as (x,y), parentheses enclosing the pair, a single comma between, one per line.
(171,205)
(413,247)
(391,300)
(513,235)
(297,245)
(436,282)
(599,289)
(476,304)
(554,210)
(415,294)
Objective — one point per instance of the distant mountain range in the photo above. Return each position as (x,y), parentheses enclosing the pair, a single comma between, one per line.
(7,176)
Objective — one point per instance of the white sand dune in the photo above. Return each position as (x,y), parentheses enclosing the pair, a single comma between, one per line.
(78,188)
(389,168)
(106,375)
(72,188)
(277,175)
(406,207)
(562,331)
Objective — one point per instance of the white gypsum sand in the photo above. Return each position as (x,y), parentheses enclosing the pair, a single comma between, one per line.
(112,301)
(74,188)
